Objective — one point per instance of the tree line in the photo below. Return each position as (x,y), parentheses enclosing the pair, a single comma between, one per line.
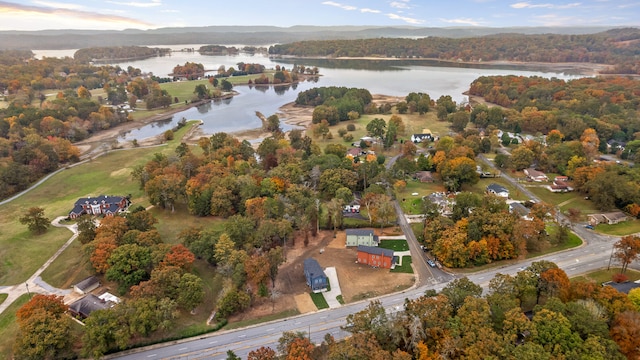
(37,131)
(615,47)
(111,53)
(536,314)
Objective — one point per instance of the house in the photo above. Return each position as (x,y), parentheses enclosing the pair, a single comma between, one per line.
(623,287)
(83,307)
(87,285)
(444,201)
(316,279)
(418,138)
(535,175)
(351,208)
(560,184)
(357,237)
(376,257)
(424,176)
(355,152)
(498,190)
(607,218)
(107,205)
(520,210)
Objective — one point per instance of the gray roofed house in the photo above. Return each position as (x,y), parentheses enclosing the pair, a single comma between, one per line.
(102,205)
(623,287)
(88,304)
(607,218)
(316,278)
(357,237)
(520,210)
(498,190)
(86,285)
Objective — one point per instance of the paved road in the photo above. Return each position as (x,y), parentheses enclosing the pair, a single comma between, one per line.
(592,255)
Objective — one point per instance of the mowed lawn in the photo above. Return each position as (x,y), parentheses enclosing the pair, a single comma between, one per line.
(21,252)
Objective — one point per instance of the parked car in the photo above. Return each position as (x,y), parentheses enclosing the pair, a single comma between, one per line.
(431,263)
(589,227)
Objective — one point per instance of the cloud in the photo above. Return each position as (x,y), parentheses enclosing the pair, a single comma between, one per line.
(367,10)
(527,5)
(11,10)
(465,21)
(58,5)
(405,19)
(152,3)
(400,4)
(338,5)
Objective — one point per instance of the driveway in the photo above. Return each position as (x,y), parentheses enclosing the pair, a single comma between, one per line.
(330,296)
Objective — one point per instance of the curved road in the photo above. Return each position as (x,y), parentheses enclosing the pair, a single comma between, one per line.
(592,255)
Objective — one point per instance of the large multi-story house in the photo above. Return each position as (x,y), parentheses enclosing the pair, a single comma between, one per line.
(107,205)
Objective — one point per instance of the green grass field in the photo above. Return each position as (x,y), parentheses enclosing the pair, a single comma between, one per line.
(109,174)
(605,275)
(406,266)
(319,300)
(620,229)
(393,244)
(9,327)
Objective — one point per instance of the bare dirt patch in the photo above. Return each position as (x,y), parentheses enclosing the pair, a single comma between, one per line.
(357,281)
(304,303)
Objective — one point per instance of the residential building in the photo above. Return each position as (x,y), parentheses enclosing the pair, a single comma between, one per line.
(87,285)
(357,237)
(83,307)
(610,218)
(535,175)
(424,176)
(316,278)
(498,190)
(107,205)
(520,210)
(418,138)
(376,257)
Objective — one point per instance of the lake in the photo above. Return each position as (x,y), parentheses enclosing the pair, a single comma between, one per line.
(389,77)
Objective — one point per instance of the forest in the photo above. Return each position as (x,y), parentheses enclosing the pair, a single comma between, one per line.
(618,47)
(119,53)
(37,132)
(536,314)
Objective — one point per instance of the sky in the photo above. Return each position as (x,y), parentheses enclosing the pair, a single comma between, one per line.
(152,14)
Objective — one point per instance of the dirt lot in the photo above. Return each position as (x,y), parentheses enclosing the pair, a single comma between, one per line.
(357,281)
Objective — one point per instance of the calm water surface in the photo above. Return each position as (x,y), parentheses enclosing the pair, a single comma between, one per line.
(396,78)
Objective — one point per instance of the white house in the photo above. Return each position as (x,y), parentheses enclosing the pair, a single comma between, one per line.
(498,190)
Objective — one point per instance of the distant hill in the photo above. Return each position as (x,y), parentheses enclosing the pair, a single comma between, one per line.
(249,35)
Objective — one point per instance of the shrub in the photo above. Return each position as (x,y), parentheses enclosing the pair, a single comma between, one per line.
(348,138)
(619,278)
(168,135)
(351,127)
(342,132)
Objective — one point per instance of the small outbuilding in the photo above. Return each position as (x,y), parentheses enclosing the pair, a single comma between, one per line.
(316,278)
(87,285)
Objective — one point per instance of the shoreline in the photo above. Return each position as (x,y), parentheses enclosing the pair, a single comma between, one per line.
(584,68)
(289,113)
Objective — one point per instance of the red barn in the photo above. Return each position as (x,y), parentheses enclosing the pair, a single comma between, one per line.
(375,256)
